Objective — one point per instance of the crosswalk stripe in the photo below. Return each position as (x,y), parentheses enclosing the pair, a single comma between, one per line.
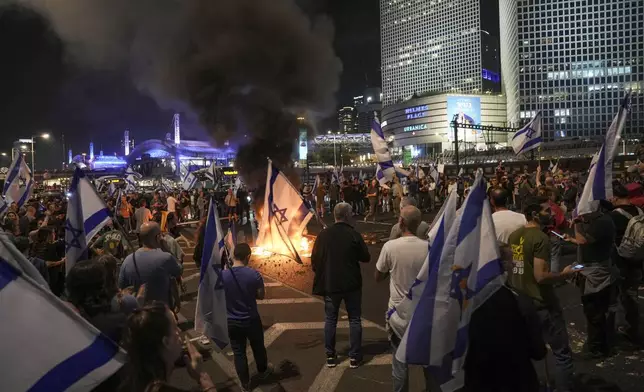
(282,301)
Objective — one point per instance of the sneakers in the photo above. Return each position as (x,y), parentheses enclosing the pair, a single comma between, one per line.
(331,361)
(354,363)
(267,372)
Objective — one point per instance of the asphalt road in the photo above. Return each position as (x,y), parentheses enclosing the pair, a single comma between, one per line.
(293,320)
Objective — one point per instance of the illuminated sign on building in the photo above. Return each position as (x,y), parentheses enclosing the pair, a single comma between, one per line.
(230,173)
(412,128)
(416,112)
(416,115)
(303,148)
(416,109)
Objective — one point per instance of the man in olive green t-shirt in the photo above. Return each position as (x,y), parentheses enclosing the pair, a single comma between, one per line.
(531,276)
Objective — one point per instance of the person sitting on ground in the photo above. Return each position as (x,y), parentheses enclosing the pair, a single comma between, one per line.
(153,343)
(151,266)
(423,227)
(244,286)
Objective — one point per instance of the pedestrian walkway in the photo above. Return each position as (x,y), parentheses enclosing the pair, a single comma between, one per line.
(293,324)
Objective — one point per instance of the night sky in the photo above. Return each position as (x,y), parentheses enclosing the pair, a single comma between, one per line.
(43,90)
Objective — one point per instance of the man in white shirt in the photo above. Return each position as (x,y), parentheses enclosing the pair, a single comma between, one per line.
(401,259)
(505,221)
(172,204)
(172,214)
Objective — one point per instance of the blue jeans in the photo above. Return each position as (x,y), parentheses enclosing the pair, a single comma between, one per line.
(554,331)
(353,303)
(249,331)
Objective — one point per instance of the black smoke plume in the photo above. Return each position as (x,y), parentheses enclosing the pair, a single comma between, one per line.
(246,68)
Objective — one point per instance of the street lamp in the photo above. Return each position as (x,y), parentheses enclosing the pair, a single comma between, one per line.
(33,162)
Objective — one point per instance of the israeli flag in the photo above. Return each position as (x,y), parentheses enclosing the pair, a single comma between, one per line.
(460,172)
(45,345)
(211,316)
(381,150)
(529,137)
(18,183)
(467,273)
(111,190)
(399,316)
(599,185)
(3,207)
(86,216)
(285,213)
(129,172)
(189,182)
(212,172)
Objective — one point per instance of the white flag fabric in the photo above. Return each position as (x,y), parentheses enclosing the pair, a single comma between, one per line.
(599,185)
(3,206)
(18,183)
(131,178)
(45,345)
(399,316)
(212,171)
(460,172)
(111,190)
(469,271)
(529,137)
(189,182)
(383,156)
(210,316)
(316,184)
(285,214)
(86,215)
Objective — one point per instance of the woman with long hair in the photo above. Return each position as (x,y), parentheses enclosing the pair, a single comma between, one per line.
(153,343)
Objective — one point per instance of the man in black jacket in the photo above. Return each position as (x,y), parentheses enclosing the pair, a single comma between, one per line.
(335,259)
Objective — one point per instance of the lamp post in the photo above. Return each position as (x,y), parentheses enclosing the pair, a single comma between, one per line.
(33,162)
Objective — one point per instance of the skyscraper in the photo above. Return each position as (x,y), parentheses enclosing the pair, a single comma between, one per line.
(346,119)
(437,46)
(573,60)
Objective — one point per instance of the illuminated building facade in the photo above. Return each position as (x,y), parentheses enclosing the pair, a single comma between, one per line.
(573,60)
(346,119)
(421,127)
(437,46)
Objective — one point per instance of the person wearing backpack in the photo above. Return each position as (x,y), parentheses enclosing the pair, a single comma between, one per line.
(627,256)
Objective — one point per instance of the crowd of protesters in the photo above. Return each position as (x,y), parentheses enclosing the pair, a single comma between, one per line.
(129,286)
(534,222)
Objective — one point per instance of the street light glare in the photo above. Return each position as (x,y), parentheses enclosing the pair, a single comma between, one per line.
(45,136)
(4,154)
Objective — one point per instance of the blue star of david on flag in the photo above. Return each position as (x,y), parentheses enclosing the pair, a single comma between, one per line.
(459,289)
(76,236)
(529,133)
(281,213)
(22,181)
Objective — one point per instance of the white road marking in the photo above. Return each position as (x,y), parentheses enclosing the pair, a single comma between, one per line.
(283,301)
(329,378)
(190,277)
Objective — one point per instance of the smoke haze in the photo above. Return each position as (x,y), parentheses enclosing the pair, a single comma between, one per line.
(245,68)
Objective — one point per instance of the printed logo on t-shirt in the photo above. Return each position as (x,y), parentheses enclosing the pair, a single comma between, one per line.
(517,257)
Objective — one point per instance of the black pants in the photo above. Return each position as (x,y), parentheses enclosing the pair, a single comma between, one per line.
(239,333)
(600,318)
(629,313)
(332,204)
